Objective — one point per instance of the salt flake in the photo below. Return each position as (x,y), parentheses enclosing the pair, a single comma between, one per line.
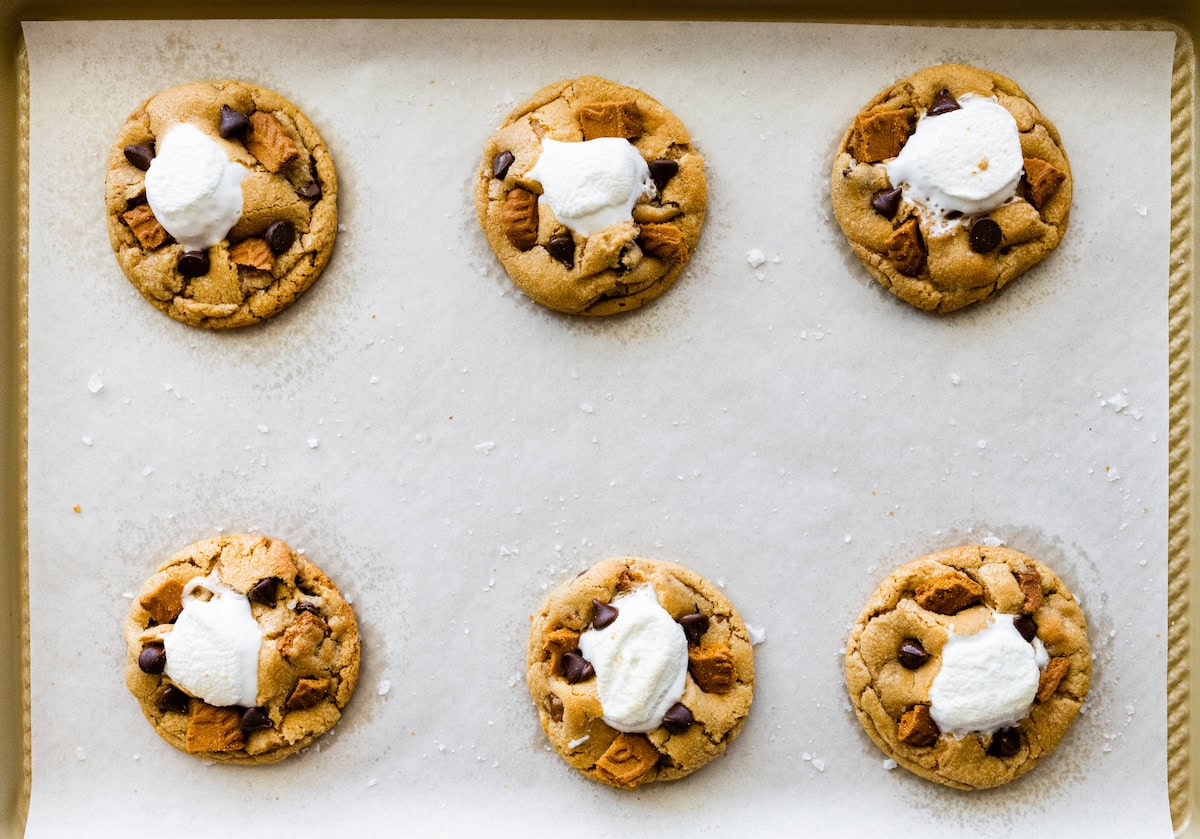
(755,257)
(95,383)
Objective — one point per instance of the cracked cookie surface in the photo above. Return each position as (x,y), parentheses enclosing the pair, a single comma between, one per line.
(895,650)
(308,658)
(923,263)
(720,659)
(624,265)
(290,179)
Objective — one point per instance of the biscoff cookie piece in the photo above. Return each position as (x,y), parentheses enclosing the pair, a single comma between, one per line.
(627,720)
(949,184)
(967,666)
(240,650)
(591,196)
(222,202)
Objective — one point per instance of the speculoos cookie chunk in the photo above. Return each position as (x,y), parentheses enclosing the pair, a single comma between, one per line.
(949,184)
(629,720)
(591,196)
(240,650)
(967,666)
(222,202)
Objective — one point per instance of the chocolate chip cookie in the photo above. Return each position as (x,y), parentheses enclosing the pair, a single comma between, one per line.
(240,650)
(627,720)
(949,184)
(967,666)
(185,238)
(591,196)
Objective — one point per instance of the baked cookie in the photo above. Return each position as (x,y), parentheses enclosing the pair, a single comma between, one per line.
(625,719)
(591,196)
(949,184)
(222,202)
(241,650)
(968,665)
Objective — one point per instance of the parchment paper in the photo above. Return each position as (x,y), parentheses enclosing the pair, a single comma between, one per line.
(447,450)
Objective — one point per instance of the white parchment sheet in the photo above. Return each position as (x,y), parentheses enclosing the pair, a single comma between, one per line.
(447,450)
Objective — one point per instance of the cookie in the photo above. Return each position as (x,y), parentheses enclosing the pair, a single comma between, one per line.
(222,202)
(240,650)
(624,719)
(967,666)
(592,197)
(949,184)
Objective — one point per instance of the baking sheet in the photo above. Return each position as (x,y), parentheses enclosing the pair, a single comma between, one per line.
(789,430)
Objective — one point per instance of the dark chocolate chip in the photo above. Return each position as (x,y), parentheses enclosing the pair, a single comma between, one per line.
(233,123)
(193,263)
(280,235)
(153,659)
(953,214)
(263,592)
(678,719)
(140,155)
(306,607)
(605,615)
(694,627)
(562,248)
(886,202)
(173,699)
(255,719)
(311,191)
(500,164)
(1005,743)
(1027,626)
(985,236)
(662,171)
(577,668)
(911,654)
(943,103)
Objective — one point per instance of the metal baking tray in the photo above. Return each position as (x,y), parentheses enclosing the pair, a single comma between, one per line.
(1181,15)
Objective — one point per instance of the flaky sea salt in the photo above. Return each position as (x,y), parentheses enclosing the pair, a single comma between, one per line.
(574,744)
(755,257)
(95,383)
(485,447)
(889,764)
(313,442)
(385,685)
(757,635)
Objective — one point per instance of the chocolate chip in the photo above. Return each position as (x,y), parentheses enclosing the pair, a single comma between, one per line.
(911,654)
(605,615)
(307,607)
(153,659)
(662,171)
(263,592)
(280,235)
(943,103)
(500,164)
(233,123)
(1027,626)
(562,248)
(193,263)
(577,668)
(694,627)
(1005,743)
(311,191)
(255,719)
(886,202)
(173,699)
(140,155)
(985,236)
(678,719)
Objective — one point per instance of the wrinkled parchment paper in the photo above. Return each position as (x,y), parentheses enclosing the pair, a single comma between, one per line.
(448,450)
